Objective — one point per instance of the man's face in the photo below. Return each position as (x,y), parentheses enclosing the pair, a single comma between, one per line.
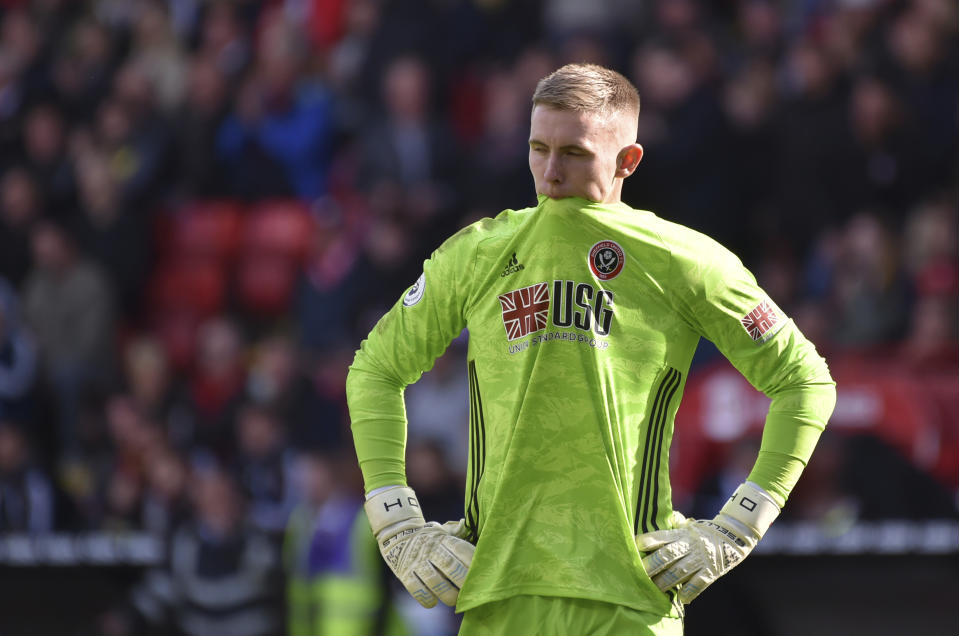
(573,154)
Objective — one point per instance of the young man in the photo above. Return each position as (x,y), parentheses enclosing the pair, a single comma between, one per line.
(583,316)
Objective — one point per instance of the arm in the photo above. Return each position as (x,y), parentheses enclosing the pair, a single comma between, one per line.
(729,308)
(404,344)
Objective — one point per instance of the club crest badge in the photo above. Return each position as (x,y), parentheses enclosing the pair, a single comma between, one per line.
(606,260)
(415,294)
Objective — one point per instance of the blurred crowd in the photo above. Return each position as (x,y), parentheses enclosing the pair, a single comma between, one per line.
(205,205)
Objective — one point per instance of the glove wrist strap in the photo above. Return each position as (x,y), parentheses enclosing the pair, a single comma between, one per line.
(753,507)
(393,507)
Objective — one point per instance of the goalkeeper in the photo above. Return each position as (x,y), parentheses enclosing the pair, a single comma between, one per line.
(583,317)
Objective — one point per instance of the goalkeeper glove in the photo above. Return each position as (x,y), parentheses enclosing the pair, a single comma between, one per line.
(696,553)
(429,559)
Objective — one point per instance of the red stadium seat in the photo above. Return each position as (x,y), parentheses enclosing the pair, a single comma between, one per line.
(191,284)
(207,229)
(264,283)
(281,227)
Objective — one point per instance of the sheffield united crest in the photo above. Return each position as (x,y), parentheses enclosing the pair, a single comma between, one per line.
(606,260)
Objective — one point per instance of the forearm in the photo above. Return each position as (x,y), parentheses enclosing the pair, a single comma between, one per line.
(797,417)
(378,422)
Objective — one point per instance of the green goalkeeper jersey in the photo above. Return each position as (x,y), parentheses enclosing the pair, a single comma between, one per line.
(583,319)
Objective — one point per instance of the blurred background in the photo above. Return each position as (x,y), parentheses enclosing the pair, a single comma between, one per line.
(206,205)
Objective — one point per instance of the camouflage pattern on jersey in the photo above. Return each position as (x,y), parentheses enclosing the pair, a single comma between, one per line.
(583,319)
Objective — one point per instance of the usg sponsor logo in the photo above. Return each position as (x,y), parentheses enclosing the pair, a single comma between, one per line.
(577,305)
(582,306)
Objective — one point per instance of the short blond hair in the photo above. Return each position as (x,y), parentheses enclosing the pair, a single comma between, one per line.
(588,88)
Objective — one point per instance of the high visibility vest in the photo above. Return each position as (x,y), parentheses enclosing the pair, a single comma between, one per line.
(336,579)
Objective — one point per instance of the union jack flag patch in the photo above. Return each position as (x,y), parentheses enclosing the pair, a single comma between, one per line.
(762,323)
(525,310)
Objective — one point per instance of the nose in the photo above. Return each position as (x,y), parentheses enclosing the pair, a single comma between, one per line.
(553,174)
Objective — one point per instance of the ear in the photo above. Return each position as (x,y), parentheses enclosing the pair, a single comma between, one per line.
(628,159)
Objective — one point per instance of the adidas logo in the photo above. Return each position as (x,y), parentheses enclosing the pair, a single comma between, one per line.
(512,267)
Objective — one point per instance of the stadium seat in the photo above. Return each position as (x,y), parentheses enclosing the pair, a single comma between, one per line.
(207,229)
(264,283)
(195,285)
(282,227)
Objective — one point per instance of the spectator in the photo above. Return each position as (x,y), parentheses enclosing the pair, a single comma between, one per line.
(134,137)
(328,427)
(350,56)
(221,576)
(82,69)
(812,191)
(20,208)
(166,503)
(838,492)
(224,41)
(335,580)
(264,468)
(200,116)
(283,119)
(886,164)
(680,126)
(409,148)
(927,81)
(121,478)
(22,74)
(330,287)
(26,494)
(44,145)
(869,290)
(18,358)
(499,162)
(216,386)
(111,231)
(68,304)
(154,388)
(157,53)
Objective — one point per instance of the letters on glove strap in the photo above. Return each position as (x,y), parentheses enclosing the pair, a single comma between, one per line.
(696,553)
(429,559)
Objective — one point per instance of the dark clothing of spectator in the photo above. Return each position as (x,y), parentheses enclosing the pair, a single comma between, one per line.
(326,306)
(144,161)
(18,359)
(214,585)
(813,186)
(407,155)
(26,501)
(121,246)
(15,259)
(71,312)
(57,182)
(690,149)
(198,170)
(268,481)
